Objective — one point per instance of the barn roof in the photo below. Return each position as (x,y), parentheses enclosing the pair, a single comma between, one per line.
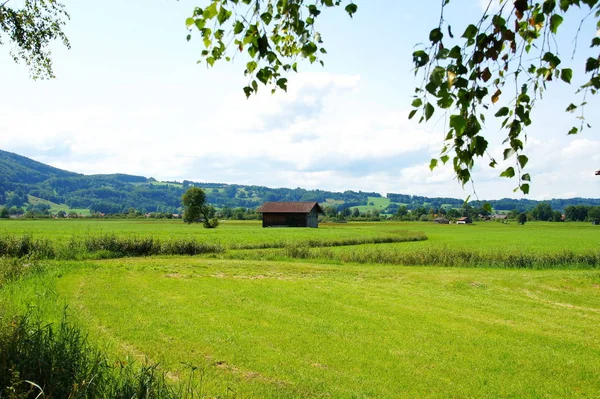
(289,207)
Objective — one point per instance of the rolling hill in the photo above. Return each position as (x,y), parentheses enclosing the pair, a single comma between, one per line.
(24,181)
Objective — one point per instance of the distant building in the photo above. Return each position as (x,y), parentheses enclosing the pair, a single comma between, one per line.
(499,216)
(464,220)
(290,214)
(441,221)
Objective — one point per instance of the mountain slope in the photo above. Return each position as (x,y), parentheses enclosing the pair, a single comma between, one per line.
(17,169)
(22,178)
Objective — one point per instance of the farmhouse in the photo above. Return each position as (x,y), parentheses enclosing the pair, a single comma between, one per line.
(441,221)
(464,220)
(290,214)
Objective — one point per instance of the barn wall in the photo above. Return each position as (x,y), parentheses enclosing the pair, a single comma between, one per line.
(285,219)
(312,219)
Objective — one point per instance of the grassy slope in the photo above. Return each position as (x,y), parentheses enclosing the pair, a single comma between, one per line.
(54,207)
(270,329)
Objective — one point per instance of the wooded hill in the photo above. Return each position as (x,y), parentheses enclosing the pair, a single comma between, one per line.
(24,182)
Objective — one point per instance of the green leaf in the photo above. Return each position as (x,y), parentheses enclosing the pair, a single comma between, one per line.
(189,22)
(223,15)
(266,18)
(211,11)
(428,111)
(572,107)
(436,35)
(351,9)
(509,152)
(525,188)
(238,28)
(433,164)
(420,58)
(487,207)
(444,158)
(282,83)
(573,130)
(555,21)
(412,114)
(526,177)
(458,123)
(470,32)
(248,91)
(522,159)
(502,112)
(251,66)
(417,102)
(509,172)
(566,74)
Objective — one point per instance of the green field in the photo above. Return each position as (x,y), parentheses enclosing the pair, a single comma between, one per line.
(331,325)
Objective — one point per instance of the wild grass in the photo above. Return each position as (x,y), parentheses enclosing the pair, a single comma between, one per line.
(40,359)
(448,257)
(100,246)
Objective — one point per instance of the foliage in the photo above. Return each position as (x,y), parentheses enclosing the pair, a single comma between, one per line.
(32,28)
(196,208)
(522,218)
(543,212)
(514,45)
(512,48)
(274,33)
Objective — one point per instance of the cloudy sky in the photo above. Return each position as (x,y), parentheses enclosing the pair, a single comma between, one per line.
(130,98)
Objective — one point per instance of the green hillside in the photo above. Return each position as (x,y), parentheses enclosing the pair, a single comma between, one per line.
(26,183)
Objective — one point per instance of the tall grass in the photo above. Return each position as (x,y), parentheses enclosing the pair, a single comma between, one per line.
(57,361)
(400,236)
(101,246)
(458,257)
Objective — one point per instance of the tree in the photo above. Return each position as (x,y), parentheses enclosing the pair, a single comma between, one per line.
(196,208)
(542,211)
(512,45)
(4,213)
(594,214)
(30,29)
(522,218)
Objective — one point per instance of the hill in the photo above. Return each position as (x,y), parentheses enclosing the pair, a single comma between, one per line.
(26,182)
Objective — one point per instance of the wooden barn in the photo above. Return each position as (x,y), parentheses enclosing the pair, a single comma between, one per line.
(290,214)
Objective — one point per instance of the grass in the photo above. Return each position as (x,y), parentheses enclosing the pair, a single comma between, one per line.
(275,329)
(54,207)
(379,203)
(301,313)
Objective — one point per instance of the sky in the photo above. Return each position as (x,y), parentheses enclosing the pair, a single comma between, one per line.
(129,97)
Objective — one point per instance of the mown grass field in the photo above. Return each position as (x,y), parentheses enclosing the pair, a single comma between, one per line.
(321,327)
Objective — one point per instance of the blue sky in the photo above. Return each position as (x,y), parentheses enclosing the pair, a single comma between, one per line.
(130,98)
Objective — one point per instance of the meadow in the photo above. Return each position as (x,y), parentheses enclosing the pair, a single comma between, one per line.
(290,313)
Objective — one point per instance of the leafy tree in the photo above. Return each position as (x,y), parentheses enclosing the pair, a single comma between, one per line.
(30,27)
(513,45)
(556,216)
(522,218)
(61,214)
(542,211)
(4,213)
(402,212)
(355,213)
(594,214)
(196,208)
(453,213)
(576,213)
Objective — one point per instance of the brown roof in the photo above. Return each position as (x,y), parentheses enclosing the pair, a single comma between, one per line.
(289,207)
